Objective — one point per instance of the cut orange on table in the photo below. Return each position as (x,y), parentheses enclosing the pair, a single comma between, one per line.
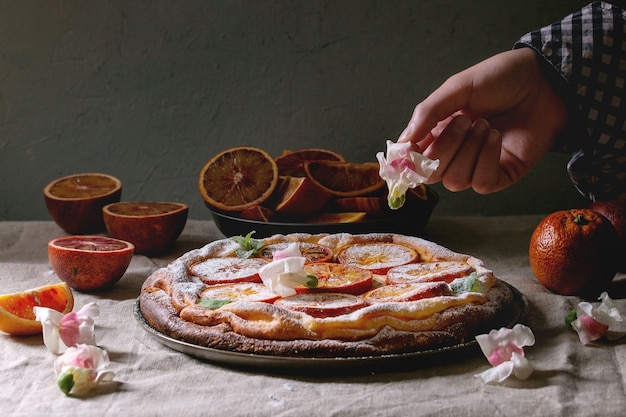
(16,310)
(291,163)
(238,178)
(89,263)
(75,202)
(152,227)
(345,179)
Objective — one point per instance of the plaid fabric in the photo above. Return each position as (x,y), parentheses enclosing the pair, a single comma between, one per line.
(585,53)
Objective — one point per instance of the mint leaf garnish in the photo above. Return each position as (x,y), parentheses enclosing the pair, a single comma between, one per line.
(469,283)
(312,282)
(249,246)
(213,303)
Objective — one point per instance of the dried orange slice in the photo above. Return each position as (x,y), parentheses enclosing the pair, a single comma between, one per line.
(300,197)
(291,163)
(332,277)
(312,252)
(238,178)
(345,179)
(228,270)
(428,271)
(152,227)
(75,202)
(374,207)
(344,217)
(377,257)
(409,291)
(16,310)
(322,304)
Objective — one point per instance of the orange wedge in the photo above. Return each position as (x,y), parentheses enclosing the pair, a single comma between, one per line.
(75,202)
(345,179)
(16,310)
(291,163)
(299,197)
(238,178)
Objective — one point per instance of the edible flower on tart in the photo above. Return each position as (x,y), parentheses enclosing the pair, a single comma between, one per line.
(504,349)
(592,323)
(285,272)
(402,169)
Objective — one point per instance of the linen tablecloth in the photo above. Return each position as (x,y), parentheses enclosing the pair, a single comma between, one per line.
(570,379)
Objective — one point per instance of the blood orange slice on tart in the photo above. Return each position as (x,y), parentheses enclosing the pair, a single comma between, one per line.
(313,252)
(408,291)
(291,163)
(238,178)
(377,257)
(322,304)
(221,294)
(16,309)
(332,277)
(228,270)
(428,271)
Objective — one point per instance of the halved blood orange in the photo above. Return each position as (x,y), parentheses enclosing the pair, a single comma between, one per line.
(377,257)
(248,291)
(408,291)
(428,271)
(322,304)
(228,270)
(300,197)
(89,263)
(75,201)
(341,217)
(291,163)
(16,310)
(345,179)
(238,178)
(334,277)
(152,227)
(312,252)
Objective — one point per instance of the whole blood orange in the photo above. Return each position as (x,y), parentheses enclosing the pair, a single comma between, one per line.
(75,202)
(574,252)
(152,227)
(89,263)
(16,310)
(615,211)
(238,178)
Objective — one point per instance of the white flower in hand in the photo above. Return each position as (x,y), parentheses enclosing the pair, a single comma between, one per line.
(504,350)
(403,169)
(285,272)
(81,368)
(592,323)
(61,331)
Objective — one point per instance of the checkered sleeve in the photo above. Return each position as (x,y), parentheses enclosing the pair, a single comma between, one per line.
(585,56)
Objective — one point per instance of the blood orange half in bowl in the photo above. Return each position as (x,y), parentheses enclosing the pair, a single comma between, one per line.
(75,201)
(152,227)
(89,263)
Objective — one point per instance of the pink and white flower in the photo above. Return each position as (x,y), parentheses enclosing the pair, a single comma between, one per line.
(402,169)
(61,331)
(593,323)
(81,368)
(285,272)
(504,349)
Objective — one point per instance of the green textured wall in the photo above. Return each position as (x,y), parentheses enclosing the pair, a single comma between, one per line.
(149,90)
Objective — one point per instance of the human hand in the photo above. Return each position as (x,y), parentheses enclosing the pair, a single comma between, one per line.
(490,124)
